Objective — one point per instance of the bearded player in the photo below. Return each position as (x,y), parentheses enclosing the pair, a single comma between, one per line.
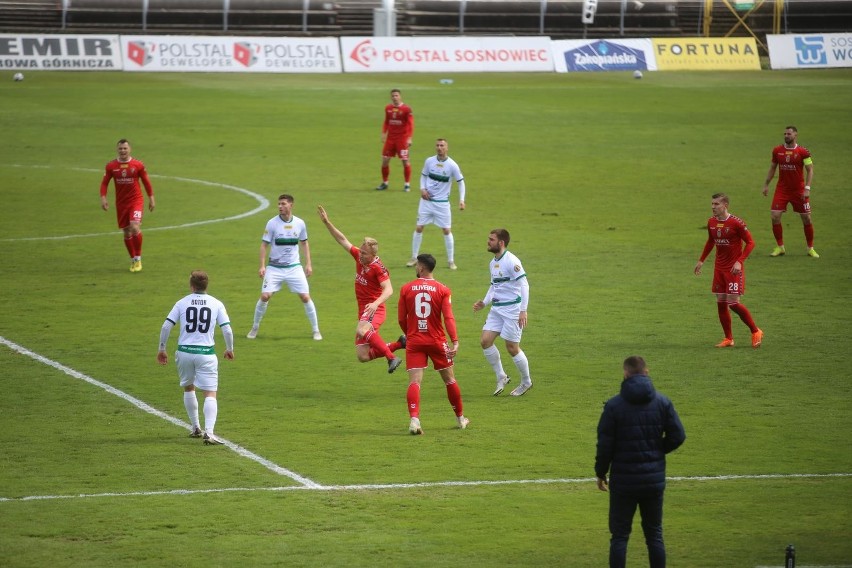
(424,309)
(793,162)
(127,172)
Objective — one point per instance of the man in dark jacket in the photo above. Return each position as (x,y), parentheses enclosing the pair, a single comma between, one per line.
(637,429)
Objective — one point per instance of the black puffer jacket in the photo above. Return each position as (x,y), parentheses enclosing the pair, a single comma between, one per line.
(637,429)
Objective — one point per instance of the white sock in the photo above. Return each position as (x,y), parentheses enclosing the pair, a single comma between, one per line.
(523,367)
(259,312)
(492,355)
(190,402)
(416,239)
(211,410)
(311,312)
(450,243)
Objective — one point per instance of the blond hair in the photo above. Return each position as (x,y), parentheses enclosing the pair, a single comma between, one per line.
(372,245)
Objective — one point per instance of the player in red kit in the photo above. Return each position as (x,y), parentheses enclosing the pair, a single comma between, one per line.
(728,233)
(127,172)
(372,288)
(424,309)
(397,131)
(792,162)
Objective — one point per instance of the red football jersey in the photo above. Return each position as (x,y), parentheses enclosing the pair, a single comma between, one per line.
(791,168)
(368,280)
(126,175)
(423,303)
(399,121)
(728,236)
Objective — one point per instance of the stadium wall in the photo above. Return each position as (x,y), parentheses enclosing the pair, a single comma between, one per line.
(146,53)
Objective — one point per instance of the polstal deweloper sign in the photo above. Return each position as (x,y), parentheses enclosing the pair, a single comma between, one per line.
(603,55)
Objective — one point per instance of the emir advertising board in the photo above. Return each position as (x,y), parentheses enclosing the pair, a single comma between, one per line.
(59,52)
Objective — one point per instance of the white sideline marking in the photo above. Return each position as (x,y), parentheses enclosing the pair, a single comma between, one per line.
(159,414)
(263,203)
(380,486)
(312,485)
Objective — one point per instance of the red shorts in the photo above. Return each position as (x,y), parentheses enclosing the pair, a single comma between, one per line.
(418,356)
(395,147)
(128,214)
(726,283)
(800,203)
(377,320)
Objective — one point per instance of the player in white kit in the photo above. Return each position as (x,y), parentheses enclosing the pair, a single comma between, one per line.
(436,182)
(284,236)
(198,314)
(509,296)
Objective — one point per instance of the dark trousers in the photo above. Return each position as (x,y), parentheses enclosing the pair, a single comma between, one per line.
(622,507)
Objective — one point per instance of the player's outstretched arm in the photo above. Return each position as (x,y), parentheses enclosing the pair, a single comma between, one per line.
(338,236)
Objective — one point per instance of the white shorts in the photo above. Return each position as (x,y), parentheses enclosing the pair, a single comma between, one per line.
(505,322)
(199,370)
(434,212)
(294,277)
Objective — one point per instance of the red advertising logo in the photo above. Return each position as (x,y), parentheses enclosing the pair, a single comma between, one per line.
(140,53)
(364,53)
(244,53)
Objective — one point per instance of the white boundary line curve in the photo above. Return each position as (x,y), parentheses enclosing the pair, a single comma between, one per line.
(263,203)
(304,482)
(151,410)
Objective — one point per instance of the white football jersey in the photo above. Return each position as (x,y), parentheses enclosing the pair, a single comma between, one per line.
(437,177)
(506,275)
(197,315)
(284,236)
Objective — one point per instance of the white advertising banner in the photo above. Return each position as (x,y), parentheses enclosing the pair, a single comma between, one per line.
(441,54)
(231,54)
(809,51)
(603,55)
(60,52)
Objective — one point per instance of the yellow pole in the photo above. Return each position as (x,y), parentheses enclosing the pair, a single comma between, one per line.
(708,16)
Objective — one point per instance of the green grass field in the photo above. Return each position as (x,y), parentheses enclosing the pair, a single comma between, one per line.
(604,183)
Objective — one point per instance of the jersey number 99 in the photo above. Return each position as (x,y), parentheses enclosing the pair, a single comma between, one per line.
(197,319)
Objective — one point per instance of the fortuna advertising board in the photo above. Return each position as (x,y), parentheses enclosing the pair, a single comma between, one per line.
(231,54)
(440,54)
(706,53)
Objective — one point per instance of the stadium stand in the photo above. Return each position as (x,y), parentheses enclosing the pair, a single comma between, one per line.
(559,19)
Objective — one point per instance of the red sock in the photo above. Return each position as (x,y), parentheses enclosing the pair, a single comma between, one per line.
(377,345)
(413,397)
(745,315)
(137,244)
(809,235)
(406,170)
(454,396)
(128,244)
(725,319)
(394,345)
(778,231)
(385,173)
